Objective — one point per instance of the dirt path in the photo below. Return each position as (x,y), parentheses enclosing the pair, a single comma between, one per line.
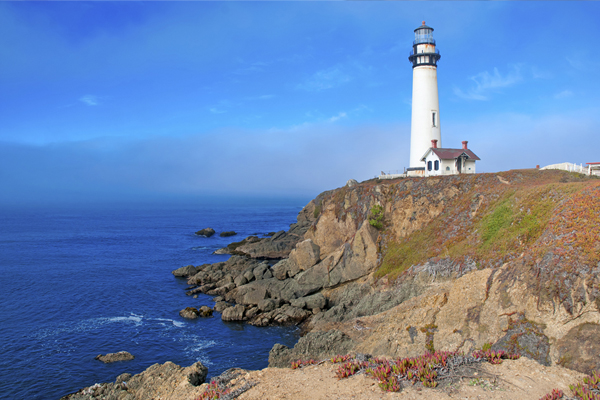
(515,379)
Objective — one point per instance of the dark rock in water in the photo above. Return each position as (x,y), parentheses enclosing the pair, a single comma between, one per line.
(113,357)
(270,234)
(206,232)
(316,345)
(189,313)
(205,311)
(227,233)
(188,270)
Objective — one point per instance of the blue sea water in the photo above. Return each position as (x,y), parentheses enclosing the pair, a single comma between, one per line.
(79,281)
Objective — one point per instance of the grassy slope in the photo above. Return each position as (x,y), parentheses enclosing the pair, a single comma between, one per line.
(538,213)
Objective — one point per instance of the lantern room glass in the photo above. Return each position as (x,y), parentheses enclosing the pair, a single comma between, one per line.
(424,35)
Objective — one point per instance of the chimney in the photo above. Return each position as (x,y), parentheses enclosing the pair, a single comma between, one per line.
(464,142)
(434,144)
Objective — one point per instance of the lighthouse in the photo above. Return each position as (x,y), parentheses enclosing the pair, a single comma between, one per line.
(425,119)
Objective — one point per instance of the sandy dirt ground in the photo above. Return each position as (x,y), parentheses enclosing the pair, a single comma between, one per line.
(513,379)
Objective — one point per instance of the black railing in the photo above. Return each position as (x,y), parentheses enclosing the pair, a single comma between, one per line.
(412,53)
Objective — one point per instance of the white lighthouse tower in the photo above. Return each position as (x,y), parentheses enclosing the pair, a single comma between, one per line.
(425,120)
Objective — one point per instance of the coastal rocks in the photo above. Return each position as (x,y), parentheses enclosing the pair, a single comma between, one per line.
(305,255)
(284,315)
(227,233)
(205,311)
(221,305)
(232,247)
(206,232)
(316,345)
(193,313)
(235,313)
(188,270)
(114,357)
(189,313)
(281,243)
(159,381)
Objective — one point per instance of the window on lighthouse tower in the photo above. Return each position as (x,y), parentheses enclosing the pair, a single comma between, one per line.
(433,119)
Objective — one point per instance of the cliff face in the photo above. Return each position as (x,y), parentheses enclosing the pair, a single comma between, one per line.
(511,259)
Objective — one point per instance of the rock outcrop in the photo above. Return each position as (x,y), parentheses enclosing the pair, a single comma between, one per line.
(454,263)
(188,270)
(160,381)
(114,357)
(206,232)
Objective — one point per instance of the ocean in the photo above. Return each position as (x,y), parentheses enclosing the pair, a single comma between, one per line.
(79,281)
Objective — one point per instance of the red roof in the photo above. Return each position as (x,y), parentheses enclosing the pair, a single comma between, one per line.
(592,163)
(451,154)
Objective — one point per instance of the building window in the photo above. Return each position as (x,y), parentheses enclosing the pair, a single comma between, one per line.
(436,165)
(428,165)
(447,168)
(433,118)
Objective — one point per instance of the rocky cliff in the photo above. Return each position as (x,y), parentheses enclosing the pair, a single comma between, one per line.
(511,259)
(397,268)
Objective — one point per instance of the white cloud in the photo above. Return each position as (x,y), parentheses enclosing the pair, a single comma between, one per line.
(563,94)
(325,79)
(89,100)
(487,83)
(215,110)
(337,117)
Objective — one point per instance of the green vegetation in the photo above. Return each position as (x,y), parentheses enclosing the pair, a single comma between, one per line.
(317,211)
(508,223)
(376,216)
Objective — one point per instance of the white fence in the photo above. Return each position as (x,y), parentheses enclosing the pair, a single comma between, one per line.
(567,166)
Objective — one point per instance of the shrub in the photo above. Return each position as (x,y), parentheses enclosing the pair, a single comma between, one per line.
(376,216)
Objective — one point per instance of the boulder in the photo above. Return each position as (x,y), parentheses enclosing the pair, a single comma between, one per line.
(251,312)
(113,357)
(249,275)
(221,305)
(280,270)
(300,303)
(255,296)
(306,254)
(315,301)
(351,183)
(189,313)
(240,280)
(267,305)
(317,345)
(227,233)
(259,271)
(235,313)
(206,232)
(188,270)
(205,311)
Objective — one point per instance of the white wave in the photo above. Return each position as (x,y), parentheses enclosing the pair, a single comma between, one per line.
(178,324)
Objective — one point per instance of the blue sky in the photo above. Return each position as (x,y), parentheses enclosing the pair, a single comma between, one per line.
(131,100)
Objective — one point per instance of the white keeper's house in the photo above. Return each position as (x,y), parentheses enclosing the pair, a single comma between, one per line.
(449,161)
